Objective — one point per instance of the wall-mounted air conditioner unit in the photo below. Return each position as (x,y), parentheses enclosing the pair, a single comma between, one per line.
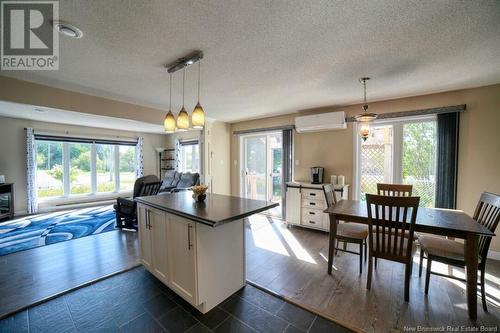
(321,122)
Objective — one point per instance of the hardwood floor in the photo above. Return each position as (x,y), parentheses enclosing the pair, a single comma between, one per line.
(292,262)
(30,276)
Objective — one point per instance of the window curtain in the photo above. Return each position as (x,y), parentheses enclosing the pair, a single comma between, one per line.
(178,166)
(287,164)
(139,161)
(32,198)
(447,158)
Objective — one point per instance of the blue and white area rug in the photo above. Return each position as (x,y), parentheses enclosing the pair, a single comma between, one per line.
(44,229)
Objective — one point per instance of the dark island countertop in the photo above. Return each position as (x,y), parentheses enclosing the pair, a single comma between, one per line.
(216,210)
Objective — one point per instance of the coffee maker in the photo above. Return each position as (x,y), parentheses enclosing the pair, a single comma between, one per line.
(317,175)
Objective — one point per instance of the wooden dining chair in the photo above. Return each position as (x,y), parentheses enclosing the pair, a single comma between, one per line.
(353,233)
(394,190)
(388,219)
(451,252)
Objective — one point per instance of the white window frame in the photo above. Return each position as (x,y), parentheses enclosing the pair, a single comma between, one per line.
(93,175)
(182,155)
(397,147)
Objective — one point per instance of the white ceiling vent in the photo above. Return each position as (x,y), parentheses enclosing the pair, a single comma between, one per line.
(321,122)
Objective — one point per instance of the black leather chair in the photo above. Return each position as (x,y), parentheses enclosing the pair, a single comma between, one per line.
(126,208)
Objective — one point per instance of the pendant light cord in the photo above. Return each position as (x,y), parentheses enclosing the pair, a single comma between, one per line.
(170,99)
(199,75)
(183,85)
(364,85)
(365,106)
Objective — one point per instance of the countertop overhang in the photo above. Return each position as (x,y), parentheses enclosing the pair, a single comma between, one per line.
(217,209)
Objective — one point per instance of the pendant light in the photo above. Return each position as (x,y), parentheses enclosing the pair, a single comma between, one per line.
(365,118)
(198,115)
(183,117)
(169,121)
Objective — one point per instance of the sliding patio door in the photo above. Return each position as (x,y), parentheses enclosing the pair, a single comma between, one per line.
(261,167)
(400,152)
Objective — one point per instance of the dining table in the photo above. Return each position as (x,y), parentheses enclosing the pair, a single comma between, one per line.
(437,221)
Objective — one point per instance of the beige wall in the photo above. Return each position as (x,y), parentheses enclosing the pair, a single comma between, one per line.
(219,168)
(13,149)
(25,92)
(216,137)
(479,143)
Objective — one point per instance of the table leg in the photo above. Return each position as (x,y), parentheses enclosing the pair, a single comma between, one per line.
(331,243)
(471,262)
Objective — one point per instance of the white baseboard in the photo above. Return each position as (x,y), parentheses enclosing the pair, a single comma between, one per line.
(49,209)
(495,255)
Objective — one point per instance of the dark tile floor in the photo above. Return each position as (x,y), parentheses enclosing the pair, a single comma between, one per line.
(135,301)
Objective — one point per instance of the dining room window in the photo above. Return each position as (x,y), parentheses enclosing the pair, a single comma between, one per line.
(399,152)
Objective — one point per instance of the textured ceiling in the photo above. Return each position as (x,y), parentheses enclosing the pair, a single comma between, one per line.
(273,57)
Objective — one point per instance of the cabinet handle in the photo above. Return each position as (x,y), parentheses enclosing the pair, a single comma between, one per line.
(189,237)
(312,194)
(312,204)
(312,222)
(148,223)
(312,213)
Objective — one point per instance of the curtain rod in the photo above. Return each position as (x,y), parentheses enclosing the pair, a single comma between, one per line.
(86,136)
(421,112)
(268,129)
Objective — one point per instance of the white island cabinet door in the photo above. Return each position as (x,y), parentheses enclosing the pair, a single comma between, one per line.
(144,237)
(158,227)
(293,203)
(181,243)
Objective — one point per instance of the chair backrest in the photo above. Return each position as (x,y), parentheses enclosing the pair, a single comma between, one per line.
(394,190)
(188,179)
(329,191)
(150,188)
(169,177)
(388,219)
(139,182)
(487,213)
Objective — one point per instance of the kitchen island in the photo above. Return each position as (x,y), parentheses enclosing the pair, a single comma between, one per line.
(196,249)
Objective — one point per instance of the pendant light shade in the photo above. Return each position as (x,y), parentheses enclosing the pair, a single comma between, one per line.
(183,116)
(169,121)
(364,130)
(183,120)
(198,115)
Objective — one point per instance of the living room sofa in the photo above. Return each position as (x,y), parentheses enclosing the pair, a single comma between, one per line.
(175,181)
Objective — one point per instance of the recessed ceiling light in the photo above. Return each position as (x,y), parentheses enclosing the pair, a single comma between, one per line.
(67,29)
